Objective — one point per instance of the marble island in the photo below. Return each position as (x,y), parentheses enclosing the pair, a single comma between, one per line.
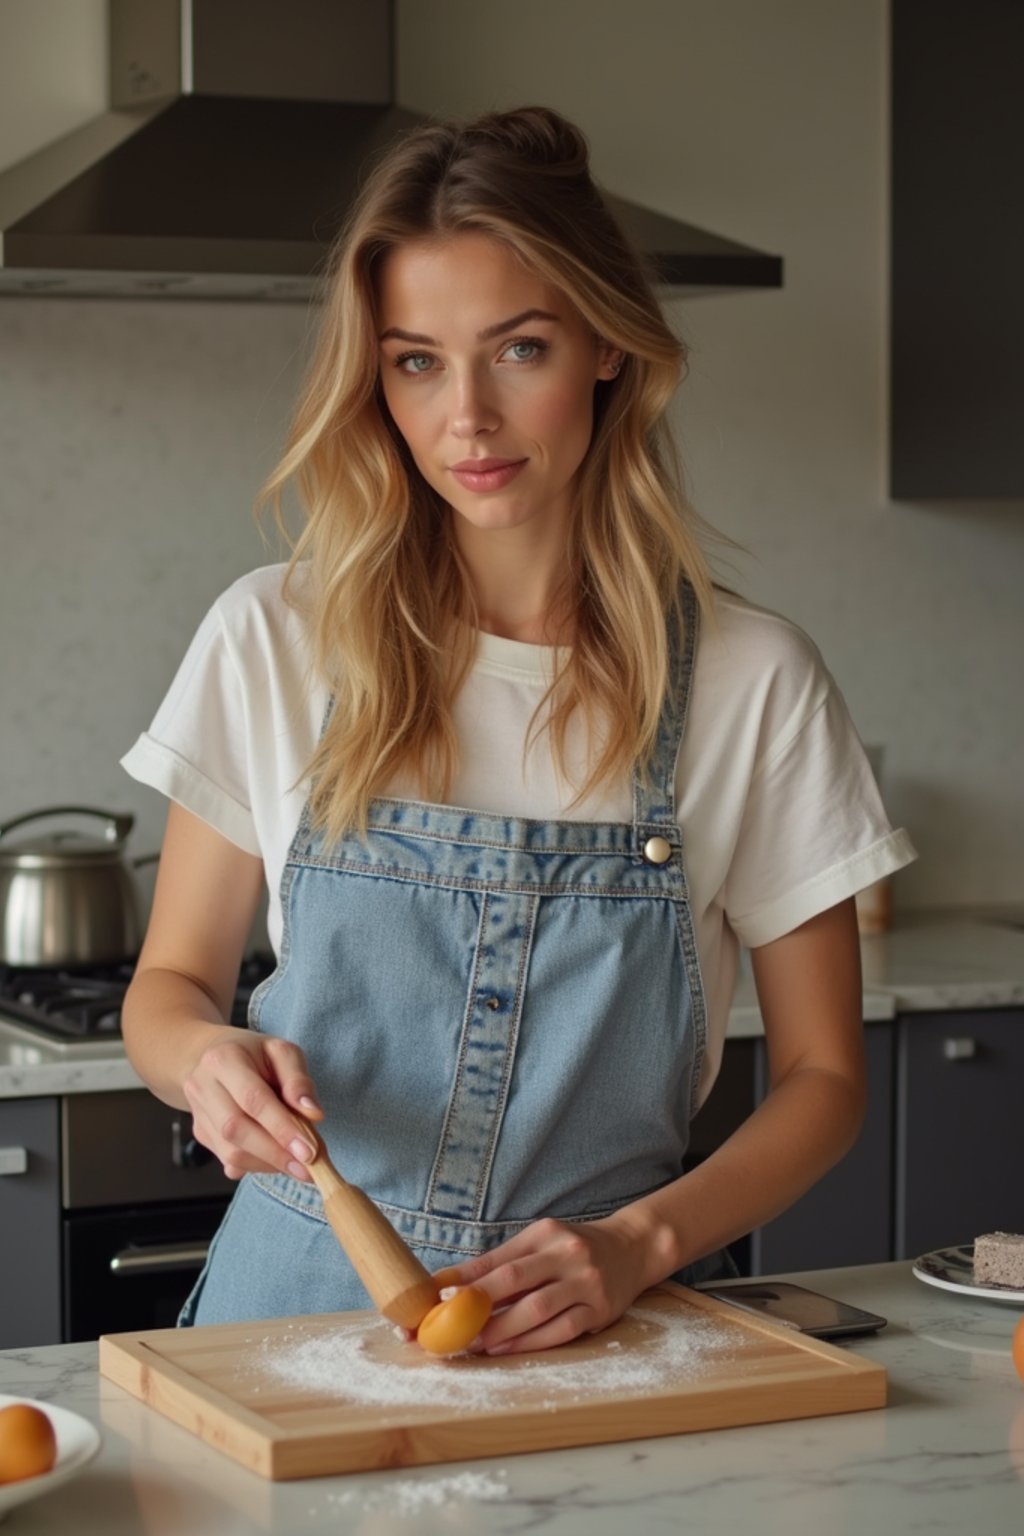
(945,1456)
(923,964)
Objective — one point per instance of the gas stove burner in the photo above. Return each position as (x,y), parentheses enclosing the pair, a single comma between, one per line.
(79,1005)
(86,1005)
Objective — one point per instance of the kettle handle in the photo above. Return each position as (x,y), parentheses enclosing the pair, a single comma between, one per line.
(119,823)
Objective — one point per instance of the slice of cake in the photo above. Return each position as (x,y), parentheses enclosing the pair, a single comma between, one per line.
(999,1260)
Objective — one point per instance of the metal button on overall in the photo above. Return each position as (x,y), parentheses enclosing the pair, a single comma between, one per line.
(657,850)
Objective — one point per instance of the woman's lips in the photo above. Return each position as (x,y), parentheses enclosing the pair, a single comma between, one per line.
(486,474)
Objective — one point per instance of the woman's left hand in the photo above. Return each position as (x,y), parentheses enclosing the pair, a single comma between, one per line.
(556,1280)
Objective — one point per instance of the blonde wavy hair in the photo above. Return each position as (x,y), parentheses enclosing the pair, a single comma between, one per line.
(389,603)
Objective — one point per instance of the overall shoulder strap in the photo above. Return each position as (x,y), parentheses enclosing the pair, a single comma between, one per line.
(654,797)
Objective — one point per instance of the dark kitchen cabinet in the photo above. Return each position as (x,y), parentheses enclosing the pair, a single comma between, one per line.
(957,249)
(959,1128)
(30,1222)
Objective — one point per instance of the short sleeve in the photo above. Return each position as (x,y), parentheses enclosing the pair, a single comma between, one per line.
(195,750)
(814,830)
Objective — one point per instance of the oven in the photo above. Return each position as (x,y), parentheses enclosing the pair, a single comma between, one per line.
(140,1201)
(107,1201)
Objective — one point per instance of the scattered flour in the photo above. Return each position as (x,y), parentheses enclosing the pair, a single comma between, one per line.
(352,1363)
(408,1496)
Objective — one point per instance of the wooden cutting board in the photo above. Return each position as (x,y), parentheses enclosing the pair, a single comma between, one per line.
(313,1396)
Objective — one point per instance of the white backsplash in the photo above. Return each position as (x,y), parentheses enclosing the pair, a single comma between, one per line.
(133,437)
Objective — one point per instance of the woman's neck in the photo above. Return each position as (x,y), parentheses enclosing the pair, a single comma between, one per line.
(532,631)
(527,609)
(519,585)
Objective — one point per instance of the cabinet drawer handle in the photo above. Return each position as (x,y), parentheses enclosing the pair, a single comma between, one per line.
(158,1257)
(959,1048)
(13,1160)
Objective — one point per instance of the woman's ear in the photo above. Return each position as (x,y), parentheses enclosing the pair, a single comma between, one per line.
(610,361)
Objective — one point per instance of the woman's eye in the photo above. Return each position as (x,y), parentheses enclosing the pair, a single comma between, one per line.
(525,350)
(414,362)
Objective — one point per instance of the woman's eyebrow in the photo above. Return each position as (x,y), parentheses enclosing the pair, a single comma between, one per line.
(516,320)
(394,333)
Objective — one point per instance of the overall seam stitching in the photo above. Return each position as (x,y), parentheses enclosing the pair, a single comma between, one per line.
(460,1068)
(509,1063)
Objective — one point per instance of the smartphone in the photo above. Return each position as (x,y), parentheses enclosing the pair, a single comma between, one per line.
(806,1311)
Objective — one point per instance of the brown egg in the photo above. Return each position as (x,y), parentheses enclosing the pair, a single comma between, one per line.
(28,1445)
(442,1278)
(452,1325)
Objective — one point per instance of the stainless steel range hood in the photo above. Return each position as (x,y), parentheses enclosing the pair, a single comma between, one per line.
(228,160)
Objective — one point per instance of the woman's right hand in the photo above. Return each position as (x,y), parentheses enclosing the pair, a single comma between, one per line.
(242,1090)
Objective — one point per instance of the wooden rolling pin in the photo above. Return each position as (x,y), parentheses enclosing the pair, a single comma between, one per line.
(397,1282)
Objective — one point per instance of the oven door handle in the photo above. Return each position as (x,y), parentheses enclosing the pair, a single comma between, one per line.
(159,1257)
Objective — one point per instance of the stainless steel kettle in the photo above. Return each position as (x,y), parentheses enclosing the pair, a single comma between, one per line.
(67,899)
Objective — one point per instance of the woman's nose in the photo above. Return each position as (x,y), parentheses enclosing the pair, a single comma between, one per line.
(474,409)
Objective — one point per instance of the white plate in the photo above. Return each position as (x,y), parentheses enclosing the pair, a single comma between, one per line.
(77,1443)
(952,1269)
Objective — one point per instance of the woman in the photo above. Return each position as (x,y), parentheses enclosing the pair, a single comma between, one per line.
(520,781)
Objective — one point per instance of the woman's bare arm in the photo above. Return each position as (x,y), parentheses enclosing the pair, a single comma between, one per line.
(176,1010)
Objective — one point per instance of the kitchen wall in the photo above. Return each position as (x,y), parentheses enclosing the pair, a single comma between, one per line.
(133,435)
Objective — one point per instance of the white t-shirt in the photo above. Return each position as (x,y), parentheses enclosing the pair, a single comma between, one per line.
(779,812)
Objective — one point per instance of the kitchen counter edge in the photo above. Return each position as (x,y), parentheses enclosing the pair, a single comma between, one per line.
(919,966)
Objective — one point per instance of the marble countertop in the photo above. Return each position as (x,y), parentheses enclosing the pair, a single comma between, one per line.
(923,964)
(945,1456)
(31,1067)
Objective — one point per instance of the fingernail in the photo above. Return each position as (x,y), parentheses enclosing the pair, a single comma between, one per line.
(448,1292)
(298,1171)
(301,1149)
(307,1103)
(498,1349)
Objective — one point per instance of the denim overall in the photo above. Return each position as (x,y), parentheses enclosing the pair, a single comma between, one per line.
(504,1019)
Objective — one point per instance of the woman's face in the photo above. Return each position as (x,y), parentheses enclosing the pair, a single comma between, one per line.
(489,375)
